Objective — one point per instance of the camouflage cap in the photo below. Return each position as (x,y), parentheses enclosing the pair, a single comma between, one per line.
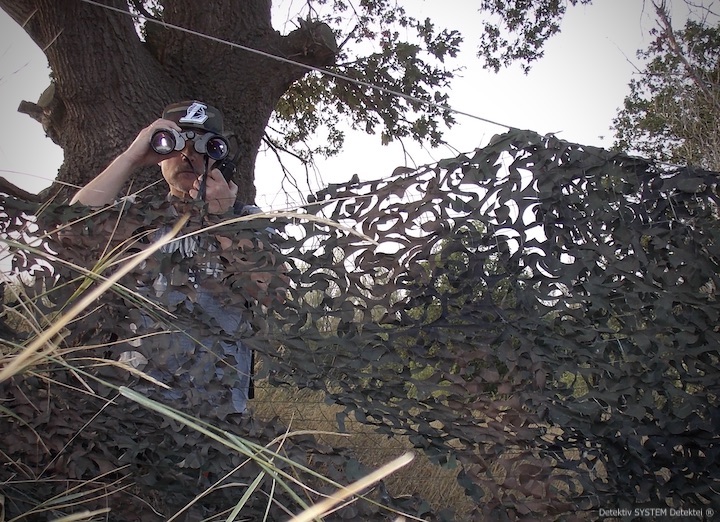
(195,115)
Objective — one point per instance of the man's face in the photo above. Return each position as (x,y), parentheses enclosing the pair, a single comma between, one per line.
(182,170)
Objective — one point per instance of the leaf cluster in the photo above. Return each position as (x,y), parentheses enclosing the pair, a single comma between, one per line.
(672,109)
(402,57)
(518,30)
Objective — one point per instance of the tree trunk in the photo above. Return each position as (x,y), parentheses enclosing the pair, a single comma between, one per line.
(109,83)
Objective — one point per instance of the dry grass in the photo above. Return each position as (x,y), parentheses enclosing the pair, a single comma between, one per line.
(306,409)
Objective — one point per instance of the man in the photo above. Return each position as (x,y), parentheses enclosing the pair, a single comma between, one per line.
(206,364)
(182,169)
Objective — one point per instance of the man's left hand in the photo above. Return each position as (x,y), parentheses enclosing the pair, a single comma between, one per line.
(219,194)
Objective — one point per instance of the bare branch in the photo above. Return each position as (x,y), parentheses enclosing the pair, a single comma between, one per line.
(16,192)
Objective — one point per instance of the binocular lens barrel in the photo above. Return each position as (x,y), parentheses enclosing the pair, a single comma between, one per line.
(164,141)
(217,148)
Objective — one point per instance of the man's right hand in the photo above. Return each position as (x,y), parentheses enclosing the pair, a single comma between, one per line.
(104,188)
(141,154)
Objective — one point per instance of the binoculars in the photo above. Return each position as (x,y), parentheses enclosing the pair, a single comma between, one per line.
(165,141)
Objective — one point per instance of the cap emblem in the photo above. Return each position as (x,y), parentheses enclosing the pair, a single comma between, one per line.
(195,114)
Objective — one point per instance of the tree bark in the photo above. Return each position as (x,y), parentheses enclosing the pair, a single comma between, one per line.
(109,83)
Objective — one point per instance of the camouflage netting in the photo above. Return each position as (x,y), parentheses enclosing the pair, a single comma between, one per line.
(544,314)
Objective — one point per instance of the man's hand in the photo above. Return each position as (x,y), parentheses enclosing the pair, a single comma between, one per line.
(219,194)
(140,154)
(105,187)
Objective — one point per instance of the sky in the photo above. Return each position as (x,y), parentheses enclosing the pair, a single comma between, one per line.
(574,91)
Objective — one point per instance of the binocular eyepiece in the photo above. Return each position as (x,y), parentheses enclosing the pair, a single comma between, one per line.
(165,141)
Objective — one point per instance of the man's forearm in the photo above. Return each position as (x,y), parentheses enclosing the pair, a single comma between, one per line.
(105,187)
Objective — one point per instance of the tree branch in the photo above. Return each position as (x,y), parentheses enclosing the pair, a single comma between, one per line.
(313,43)
(16,192)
